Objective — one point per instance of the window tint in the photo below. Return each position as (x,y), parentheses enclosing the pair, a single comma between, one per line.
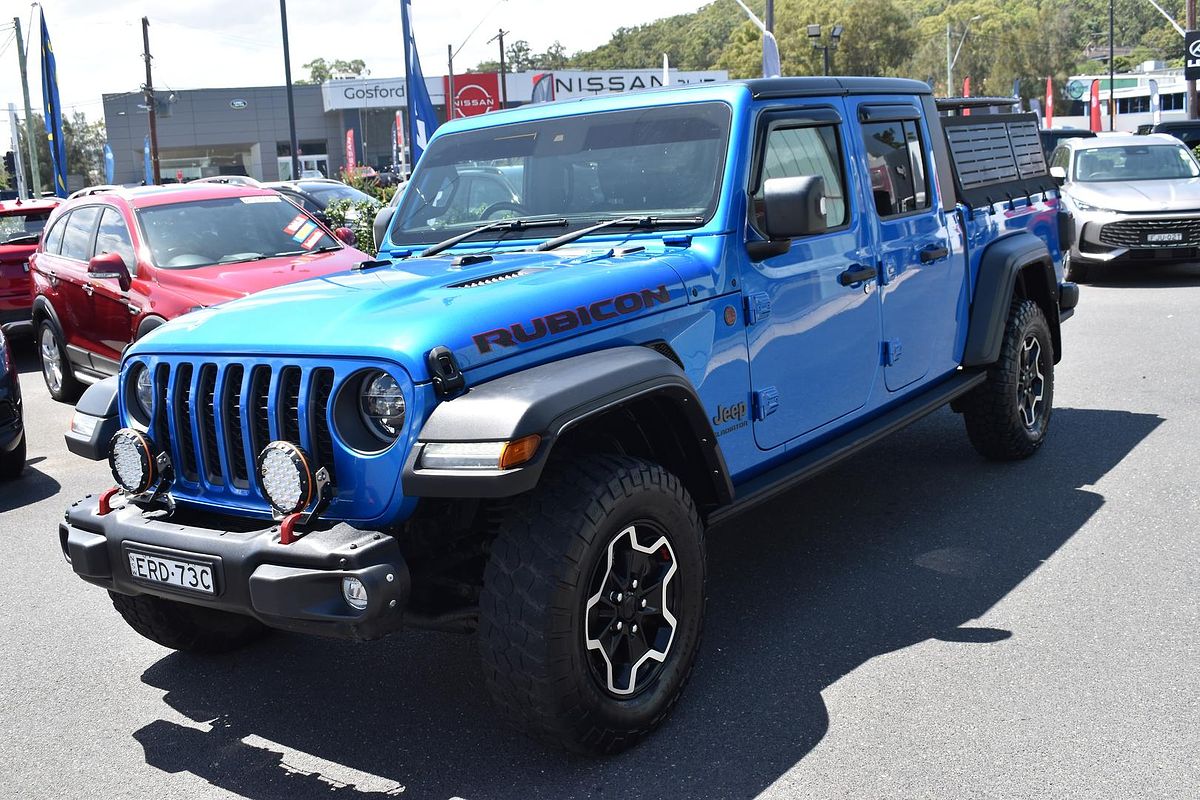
(77,239)
(794,152)
(17,227)
(896,159)
(113,237)
(55,237)
(1061,156)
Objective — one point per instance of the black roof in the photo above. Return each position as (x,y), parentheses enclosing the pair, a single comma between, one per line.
(816,86)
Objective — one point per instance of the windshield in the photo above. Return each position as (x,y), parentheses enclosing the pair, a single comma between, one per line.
(23,227)
(664,161)
(229,230)
(1135,163)
(328,192)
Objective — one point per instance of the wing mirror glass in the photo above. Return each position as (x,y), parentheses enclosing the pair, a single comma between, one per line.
(794,207)
(110,266)
(345,235)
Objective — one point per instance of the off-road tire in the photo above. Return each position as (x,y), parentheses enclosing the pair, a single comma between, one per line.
(180,626)
(1074,270)
(12,462)
(993,410)
(549,548)
(69,388)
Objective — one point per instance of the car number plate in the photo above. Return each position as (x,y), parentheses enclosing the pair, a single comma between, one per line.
(1167,236)
(173,572)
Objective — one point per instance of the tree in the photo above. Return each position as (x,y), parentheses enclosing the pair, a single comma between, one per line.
(555,57)
(320,70)
(85,150)
(519,56)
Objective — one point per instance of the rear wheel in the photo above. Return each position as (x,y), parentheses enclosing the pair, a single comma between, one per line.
(12,462)
(592,603)
(56,368)
(180,626)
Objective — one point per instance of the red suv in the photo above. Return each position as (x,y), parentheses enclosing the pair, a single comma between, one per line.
(21,224)
(114,266)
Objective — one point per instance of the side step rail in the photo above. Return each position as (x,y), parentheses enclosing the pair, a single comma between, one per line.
(788,475)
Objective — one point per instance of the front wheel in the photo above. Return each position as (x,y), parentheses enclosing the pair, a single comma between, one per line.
(56,367)
(592,603)
(1008,416)
(180,626)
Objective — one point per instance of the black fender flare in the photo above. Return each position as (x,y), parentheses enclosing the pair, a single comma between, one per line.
(549,400)
(99,402)
(148,323)
(1003,264)
(43,309)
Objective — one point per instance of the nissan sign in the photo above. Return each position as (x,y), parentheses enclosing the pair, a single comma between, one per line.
(1191,65)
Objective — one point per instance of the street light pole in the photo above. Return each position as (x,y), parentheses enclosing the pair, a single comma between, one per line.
(291,103)
(34,168)
(952,60)
(1193,97)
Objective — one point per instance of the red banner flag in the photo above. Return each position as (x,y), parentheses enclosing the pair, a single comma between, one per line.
(967,93)
(1095,109)
(1049,102)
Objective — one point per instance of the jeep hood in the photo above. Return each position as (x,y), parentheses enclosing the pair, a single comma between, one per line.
(483,308)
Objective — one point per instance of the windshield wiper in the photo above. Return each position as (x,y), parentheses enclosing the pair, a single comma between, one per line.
(619,222)
(496,225)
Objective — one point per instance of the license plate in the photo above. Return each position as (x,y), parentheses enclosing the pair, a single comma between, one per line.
(1168,236)
(188,575)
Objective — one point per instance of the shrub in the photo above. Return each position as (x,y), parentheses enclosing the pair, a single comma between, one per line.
(337,211)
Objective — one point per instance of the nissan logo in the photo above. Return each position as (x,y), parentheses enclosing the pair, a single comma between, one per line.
(238,105)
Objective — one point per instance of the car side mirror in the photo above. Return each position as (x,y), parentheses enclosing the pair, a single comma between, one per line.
(108,266)
(345,235)
(1059,174)
(794,207)
(383,218)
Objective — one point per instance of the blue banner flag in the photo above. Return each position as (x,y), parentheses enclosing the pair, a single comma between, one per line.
(110,164)
(149,167)
(53,111)
(422,119)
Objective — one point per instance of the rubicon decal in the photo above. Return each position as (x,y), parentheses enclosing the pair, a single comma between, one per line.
(570,319)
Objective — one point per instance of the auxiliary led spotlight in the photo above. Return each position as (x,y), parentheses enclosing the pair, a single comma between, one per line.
(286,477)
(131,458)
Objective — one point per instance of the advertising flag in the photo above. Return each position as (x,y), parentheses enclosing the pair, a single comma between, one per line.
(771,65)
(422,119)
(967,93)
(110,164)
(351,150)
(1049,102)
(666,71)
(53,107)
(1155,103)
(402,159)
(146,157)
(543,88)
(1095,107)
(1016,93)
(1035,106)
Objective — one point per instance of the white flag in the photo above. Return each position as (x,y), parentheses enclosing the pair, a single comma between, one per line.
(771,68)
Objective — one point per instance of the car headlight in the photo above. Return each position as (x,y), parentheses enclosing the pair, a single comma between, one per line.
(144,390)
(382,405)
(1085,207)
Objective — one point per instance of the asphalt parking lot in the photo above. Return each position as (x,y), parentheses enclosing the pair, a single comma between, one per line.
(955,629)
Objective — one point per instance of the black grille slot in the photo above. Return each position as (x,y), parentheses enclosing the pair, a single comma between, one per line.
(260,429)
(182,407)
(1137,233)
(322,389)
(231,408)
(162,431)
(207,391)
(289,404)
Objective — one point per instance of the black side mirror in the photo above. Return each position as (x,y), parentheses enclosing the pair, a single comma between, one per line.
(383,218)
(794,206)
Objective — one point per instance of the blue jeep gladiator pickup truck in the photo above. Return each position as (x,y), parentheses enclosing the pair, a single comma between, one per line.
(594,330)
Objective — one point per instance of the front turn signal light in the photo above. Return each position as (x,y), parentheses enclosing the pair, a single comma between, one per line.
(519,451)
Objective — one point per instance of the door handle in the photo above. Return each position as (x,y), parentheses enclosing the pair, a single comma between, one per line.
(933,252)
(88,289)
(133,309)
(857,274)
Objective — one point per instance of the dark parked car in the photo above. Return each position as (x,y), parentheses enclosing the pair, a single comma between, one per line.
(1052,138)
(12,427)
(316,194)
(1185,130)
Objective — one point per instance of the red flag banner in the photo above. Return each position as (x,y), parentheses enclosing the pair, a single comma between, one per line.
(351,150)
(967,93)
(1095,107)
(1049,102)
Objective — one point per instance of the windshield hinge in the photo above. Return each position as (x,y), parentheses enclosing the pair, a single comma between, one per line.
(447,378)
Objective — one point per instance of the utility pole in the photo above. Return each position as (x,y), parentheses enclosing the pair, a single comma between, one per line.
(949,65)
(287,77)
(503,70)
(450,82)
(1112,68)
(30,142)
(148,92)
(769,16)
(1193,98)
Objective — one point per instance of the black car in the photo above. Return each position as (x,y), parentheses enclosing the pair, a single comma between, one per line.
(314,194)
(1185,130)
(12,425)
(1051,138)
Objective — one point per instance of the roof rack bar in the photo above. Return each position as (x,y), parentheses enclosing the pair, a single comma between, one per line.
(956,103)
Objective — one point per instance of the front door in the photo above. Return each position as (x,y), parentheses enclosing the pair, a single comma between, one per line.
(115,310)
(813,341)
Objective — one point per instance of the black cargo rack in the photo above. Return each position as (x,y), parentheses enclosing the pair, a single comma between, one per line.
(947,104)
(997,157)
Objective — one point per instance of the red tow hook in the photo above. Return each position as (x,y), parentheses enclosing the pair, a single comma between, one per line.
(287,528)
(106,501)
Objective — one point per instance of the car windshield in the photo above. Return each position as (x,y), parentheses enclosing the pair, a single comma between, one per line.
(1153,162)
(22,227)
(229,230)
(328,192)
(664,161)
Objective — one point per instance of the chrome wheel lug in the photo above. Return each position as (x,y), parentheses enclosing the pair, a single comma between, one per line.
(619,625)
(643,602)
(634,584)
(633,629)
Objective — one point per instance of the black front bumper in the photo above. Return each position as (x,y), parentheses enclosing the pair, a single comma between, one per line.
(296,587)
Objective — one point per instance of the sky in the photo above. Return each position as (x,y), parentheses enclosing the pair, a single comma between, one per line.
(203,43)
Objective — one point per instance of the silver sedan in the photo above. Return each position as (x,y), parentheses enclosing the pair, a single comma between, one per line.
(1132,198)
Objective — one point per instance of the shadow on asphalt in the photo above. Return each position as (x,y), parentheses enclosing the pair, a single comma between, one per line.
(801,592)
(31,487)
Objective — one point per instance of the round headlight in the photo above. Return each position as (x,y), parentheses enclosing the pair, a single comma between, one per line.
(382,405)
(144,390)
(285,477)
(131,458)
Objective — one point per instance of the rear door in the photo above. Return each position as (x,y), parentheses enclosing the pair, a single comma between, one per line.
(814,342)
(918,280)
(67,268)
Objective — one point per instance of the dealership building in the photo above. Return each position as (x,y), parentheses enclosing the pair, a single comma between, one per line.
(244,130)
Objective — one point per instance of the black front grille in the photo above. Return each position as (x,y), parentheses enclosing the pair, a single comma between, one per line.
(231,404)
(289,405)
(207,396)
(182,407)
(1137,232)
(322,390)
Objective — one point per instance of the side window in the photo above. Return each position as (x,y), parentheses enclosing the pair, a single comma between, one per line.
(1061,157)
(896,159)
(113,237)
(77,239)
(55,237)
(794,152)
